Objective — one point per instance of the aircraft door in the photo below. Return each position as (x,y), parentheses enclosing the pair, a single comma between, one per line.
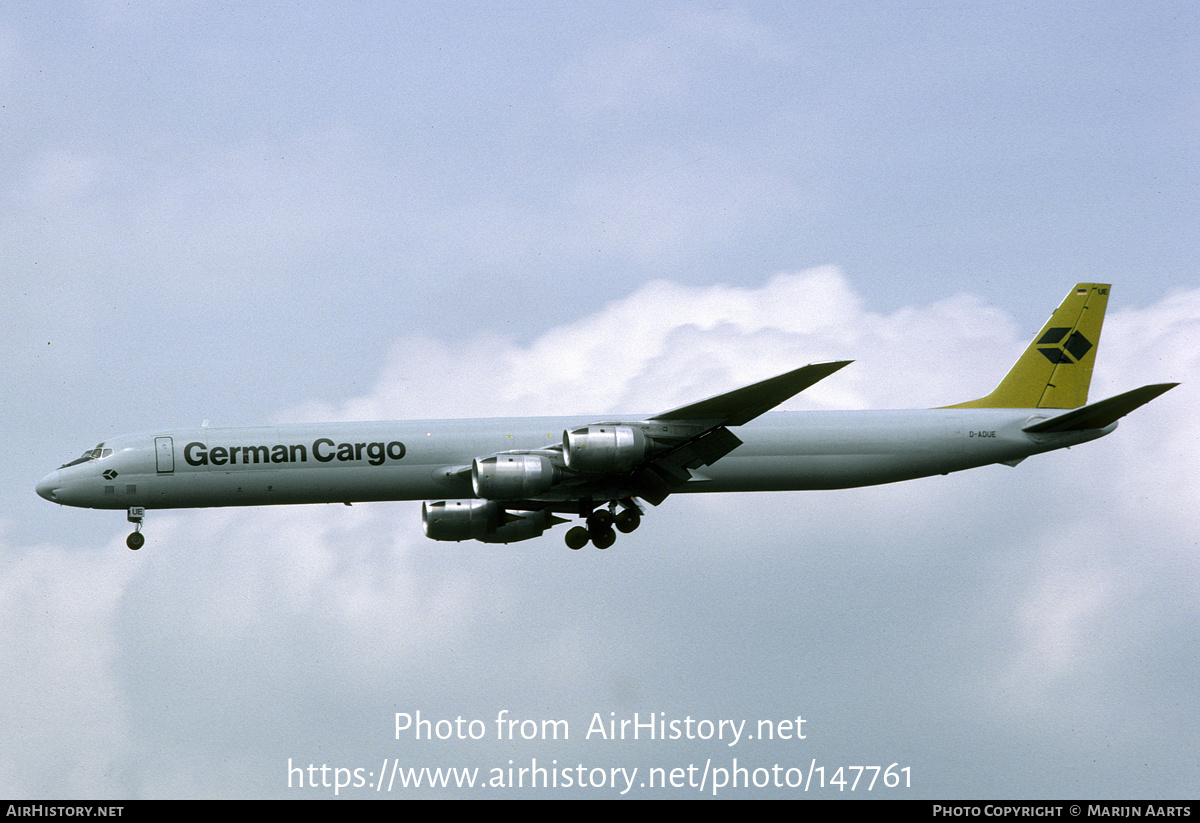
(164,453)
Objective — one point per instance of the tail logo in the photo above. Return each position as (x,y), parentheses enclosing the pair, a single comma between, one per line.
(1071,351)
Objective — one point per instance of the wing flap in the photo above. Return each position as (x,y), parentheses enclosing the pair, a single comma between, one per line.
(706,449)
(658,477)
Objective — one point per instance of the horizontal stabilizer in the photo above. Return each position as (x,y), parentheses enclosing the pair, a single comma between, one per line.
(1104,413)
(743,405)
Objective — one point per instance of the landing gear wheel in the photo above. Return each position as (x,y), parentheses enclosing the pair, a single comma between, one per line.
(577,538)
(135,540)
(599,520)
(628,520)
(604,539)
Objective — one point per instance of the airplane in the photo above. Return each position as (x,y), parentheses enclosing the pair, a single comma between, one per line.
(507,480)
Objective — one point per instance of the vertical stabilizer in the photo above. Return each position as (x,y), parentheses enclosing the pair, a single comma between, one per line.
(1056,370)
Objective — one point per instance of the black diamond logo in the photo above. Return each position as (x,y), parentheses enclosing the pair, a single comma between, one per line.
(1052,336)
(1077,345)
(110,475)
(1072,351)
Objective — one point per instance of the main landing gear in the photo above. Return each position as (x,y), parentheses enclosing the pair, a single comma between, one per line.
(603,525)
(136,540)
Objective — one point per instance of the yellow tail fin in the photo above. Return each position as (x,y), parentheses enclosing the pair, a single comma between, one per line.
(1056,370)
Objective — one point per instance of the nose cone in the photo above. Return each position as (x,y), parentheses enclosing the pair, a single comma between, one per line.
(48,486)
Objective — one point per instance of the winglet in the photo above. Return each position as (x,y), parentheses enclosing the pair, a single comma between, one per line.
(1056,369)
(1101,414)
(743,405)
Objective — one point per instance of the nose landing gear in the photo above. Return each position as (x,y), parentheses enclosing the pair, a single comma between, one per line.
(136,539)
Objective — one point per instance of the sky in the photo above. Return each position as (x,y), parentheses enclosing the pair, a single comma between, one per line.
(257,213)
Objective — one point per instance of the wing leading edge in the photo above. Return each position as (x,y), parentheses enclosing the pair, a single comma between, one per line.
(742,405)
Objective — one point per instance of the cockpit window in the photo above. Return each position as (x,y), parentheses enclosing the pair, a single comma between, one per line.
(90,454)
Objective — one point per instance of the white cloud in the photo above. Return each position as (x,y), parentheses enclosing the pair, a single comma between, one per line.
(668,344)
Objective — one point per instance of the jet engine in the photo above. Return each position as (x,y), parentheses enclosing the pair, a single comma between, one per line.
(597,449)
(482,520)
(511,476)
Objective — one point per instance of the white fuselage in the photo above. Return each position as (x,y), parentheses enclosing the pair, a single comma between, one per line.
(427,460)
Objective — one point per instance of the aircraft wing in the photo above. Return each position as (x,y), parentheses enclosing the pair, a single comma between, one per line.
(658,476)
(743,405)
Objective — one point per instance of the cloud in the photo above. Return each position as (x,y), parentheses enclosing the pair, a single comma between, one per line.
(991,601)
(668,344)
